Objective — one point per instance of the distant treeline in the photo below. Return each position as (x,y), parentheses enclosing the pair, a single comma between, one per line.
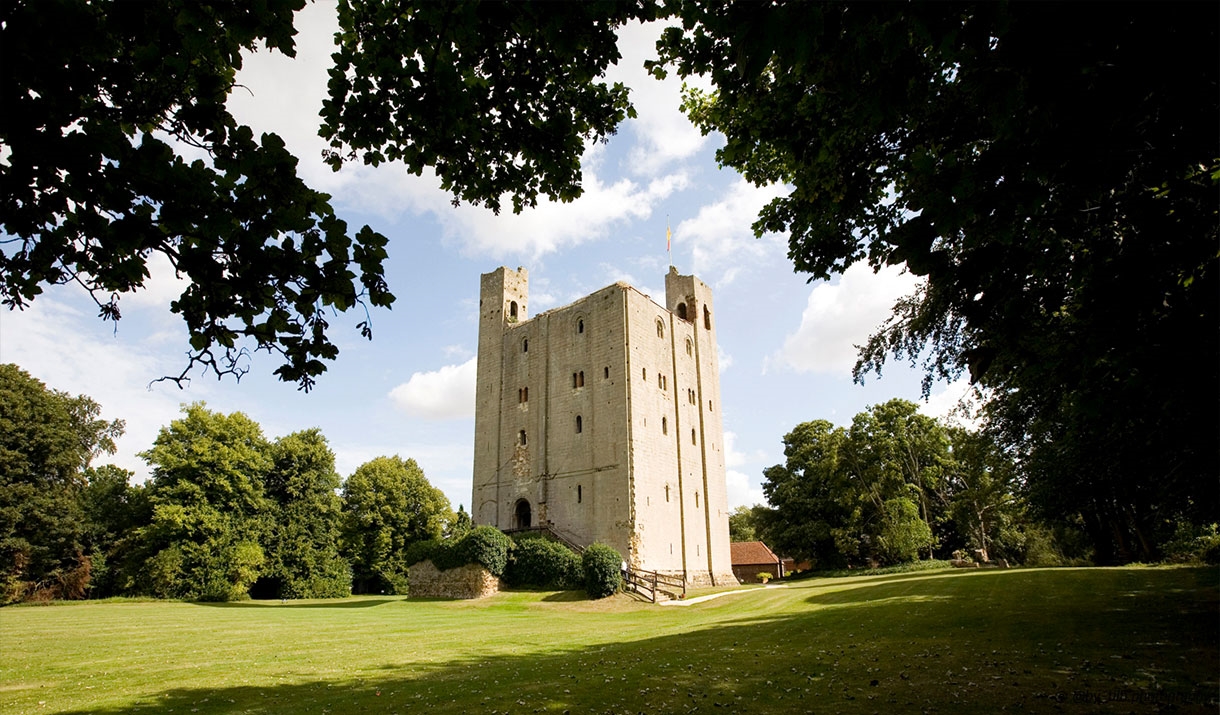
(226,514)
(896,486)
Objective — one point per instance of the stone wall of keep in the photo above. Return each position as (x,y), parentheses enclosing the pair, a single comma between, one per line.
(603,417)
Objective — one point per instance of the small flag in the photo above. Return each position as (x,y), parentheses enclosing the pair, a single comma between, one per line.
(668,235)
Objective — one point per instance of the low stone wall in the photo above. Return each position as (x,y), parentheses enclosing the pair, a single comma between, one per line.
(469,581)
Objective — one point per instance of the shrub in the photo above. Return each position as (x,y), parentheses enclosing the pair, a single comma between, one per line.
(543,563)
(764,576)
(488,546)
(483,545)
(1192,543)
(425,550)
(602,569)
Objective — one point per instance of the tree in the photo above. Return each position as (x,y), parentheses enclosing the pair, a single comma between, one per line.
(895,453)
(388,504)
(982,483)
(302,541)
(92,185)
(210,513)
(47,440)
(113,509)
(460,526)
(748,523)
(1053,179)
(873,492)
(808,494)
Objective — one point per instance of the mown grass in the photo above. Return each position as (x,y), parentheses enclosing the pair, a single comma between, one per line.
(1068,640)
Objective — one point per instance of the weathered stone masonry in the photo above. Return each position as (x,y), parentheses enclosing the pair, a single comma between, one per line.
(601,419)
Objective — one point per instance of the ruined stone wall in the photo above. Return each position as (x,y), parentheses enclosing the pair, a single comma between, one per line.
(469,581)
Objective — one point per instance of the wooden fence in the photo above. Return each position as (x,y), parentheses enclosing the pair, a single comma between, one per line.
(649,583)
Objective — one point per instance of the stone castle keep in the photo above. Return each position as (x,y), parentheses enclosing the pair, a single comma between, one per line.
(601,421)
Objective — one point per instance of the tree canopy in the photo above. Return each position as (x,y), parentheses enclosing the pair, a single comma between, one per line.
(1052,175)
(47,439)
(893,486)
(92,185)
(388,505)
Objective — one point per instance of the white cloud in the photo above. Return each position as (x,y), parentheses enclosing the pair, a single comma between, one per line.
(284,95)
(841,316)
(162,287)
(444,394)
(720,236)
(663,132)
(68,350)
(723,359)
(551,226)
(740,488)
(956,403)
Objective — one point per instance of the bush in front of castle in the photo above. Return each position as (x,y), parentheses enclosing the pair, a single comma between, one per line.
(542,563)
(602,568)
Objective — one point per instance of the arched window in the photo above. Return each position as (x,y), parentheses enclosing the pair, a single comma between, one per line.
(688,346)
(667,496)
(512,309)
(579,493)
(707,318)
(580,325)
(579,425)
(525,345)
(682,310)
(578,379)
(521,440)
(692,436)
(696,500)
(606,372)
(660,328)
(664,426)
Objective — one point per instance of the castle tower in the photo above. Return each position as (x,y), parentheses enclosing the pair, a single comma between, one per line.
(601,421)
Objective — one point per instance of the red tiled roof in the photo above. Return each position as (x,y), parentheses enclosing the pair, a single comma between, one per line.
(752,552)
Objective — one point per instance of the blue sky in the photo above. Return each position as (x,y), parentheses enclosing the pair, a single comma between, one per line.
(787,346)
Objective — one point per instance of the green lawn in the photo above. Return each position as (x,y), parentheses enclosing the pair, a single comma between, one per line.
(946,641)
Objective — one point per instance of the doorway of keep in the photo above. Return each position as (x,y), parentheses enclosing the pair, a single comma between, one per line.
(521,514)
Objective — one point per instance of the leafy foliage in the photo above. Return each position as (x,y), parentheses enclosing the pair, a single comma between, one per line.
(602,567)
(543,563)
(387,505)
(497,99)
(47,439)
(488,546)
(210,511)
(302,543)
(892,486)
(94,182)
(112,509)
(1056,192)
(748,523)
